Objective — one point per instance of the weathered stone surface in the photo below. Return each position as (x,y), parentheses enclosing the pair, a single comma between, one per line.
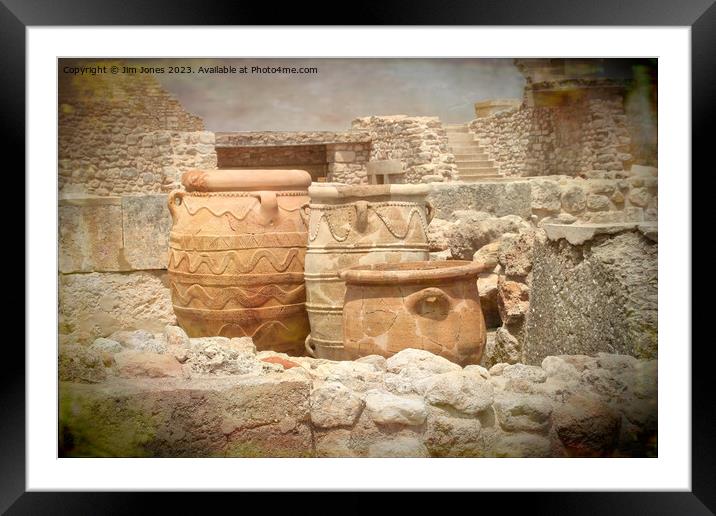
(80,364)
(139,340)
(216,356)
(146,223)
(103,345)
(560,369)
(410,365)
(90,233)
(294,412)
(447,436)
(515,253)
(599,296)
(586,426)
(334,443)
(228,416)
(522,445)
(177,342)
(513,300)
(398,447)
(639,197)
(466,392)
(387,409)
(574,199)
(598,203)
(488,255)
(545,197)
(471,230)
(377,361)
(523,412)
(357,376)
(577,234)
(498,199)
(332,405)
(95,305)
(133,364)
(505,348)
(524,372)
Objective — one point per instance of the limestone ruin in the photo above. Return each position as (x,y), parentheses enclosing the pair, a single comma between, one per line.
(553,196)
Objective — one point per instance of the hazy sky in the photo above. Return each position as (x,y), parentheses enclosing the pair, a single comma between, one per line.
(342,90)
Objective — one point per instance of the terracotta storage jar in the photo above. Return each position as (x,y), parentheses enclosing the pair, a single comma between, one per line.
(356,225)
(433,306)
(237,248)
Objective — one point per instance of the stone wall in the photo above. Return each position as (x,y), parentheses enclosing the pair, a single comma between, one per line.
(124,134)
(164,395)
(420,143)
(622,196)
(564,140)
(123,143)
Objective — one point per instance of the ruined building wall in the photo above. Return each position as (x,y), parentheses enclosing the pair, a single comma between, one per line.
(420,143)
(563,140)
(123,144)
(124,134)
(336,156)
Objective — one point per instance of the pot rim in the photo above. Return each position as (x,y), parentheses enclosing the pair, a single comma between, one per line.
(411,272)
(246,180)
(348,191)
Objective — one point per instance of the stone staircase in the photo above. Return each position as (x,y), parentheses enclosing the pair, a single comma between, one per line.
(472,163)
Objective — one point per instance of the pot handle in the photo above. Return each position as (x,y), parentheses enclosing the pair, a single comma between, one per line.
(269,207)
(311,351)
(305,212)
(176,198)
(429,211)
(361,214)
(412,301)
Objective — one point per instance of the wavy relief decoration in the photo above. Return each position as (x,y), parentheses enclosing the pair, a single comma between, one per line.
(219,265)
(241,241)
(225,330)
(245,298)
(398,227)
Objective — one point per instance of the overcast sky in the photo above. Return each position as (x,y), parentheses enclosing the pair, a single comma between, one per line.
(342,90)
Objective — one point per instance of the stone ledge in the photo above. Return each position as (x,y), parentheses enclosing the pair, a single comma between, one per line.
(577,234)
(497,198)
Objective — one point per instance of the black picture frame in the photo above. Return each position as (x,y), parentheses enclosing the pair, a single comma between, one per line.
(699,15)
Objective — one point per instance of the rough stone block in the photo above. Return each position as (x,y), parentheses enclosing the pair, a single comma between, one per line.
(146,223)
(594,288)
(90,233)
(98,304)
(498,198)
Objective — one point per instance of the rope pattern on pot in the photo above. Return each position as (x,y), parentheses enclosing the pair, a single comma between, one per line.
(374,206)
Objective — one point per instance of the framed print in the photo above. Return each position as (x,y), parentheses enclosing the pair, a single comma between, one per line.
(410,257)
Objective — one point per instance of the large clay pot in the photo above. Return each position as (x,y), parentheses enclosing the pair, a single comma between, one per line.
(356,225)
(433,306)
(237,249)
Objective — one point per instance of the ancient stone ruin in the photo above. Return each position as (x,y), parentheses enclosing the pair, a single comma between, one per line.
(404,288)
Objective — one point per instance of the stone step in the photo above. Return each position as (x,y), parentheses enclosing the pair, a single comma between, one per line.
(452,129)
(477,179)
(460,137)
(476,171)
(485,163)
(466,149)
(471,156)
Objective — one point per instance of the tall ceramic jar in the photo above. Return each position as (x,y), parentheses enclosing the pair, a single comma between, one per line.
(433,306)
(356,225)
(237,249)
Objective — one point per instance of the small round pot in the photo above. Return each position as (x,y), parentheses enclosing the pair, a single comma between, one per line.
(434,306)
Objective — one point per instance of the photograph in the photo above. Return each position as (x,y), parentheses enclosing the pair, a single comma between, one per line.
(353,257)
